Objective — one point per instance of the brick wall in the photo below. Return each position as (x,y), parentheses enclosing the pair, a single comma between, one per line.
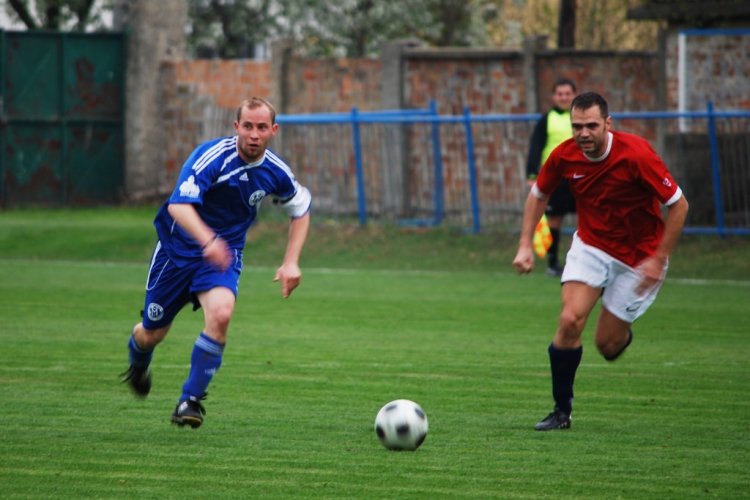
(331,85)
(397,163)
(718,69)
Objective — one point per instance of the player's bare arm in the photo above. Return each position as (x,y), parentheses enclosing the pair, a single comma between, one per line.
(214,248)
(653,267)
(289,273)
(532,213)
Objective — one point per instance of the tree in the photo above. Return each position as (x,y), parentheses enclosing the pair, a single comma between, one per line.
(602,25)
(60,15)
(358,28)
(229,29)
(599,24)
(344,28)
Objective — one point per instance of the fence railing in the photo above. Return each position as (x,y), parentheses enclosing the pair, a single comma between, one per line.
(419,167)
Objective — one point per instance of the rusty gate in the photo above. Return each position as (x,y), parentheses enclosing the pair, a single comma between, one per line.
(61,118)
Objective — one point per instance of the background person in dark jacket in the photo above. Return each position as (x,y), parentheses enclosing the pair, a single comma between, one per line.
(552,129)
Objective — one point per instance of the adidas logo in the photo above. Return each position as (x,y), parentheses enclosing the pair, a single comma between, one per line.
(243,177)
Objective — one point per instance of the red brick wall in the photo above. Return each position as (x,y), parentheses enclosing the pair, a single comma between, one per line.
(331,85)
(487,82)
(228,82)
(626,80)
(486,85)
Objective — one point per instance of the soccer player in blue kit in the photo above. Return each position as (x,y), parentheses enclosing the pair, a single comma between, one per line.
(198,258)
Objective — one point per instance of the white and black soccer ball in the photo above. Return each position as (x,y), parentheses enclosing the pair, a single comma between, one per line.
(401,425)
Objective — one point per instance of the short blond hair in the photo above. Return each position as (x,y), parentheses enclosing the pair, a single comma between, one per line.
(256,102)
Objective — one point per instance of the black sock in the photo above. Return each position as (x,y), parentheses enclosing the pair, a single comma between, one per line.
(564,363)
(552,252)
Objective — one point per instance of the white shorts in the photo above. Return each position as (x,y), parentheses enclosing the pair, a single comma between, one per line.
(598,269)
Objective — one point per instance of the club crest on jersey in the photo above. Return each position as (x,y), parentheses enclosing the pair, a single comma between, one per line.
(189,188)
(667,183)
(256,197)
(155,312)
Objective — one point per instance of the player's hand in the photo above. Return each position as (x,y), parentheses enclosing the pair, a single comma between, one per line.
(217,252)
(524,261)
(290,276)
(652,272)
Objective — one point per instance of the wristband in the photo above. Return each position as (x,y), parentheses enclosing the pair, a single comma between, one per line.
(210,242)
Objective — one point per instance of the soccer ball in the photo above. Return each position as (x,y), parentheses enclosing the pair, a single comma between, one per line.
(401,425)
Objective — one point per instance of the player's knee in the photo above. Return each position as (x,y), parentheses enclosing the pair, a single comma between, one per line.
(571,325)
(220,317)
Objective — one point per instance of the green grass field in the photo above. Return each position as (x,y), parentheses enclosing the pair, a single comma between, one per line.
(435,315)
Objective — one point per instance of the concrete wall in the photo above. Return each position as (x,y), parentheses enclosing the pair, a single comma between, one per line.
(156,33)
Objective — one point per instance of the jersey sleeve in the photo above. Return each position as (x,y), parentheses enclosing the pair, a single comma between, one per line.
(655,176)
(200,170)
(289,194)
(298,204)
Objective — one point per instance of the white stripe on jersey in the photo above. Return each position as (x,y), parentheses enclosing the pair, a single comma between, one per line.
(230,174)
(270,156)
(229,160)
(279,163)
(214,152)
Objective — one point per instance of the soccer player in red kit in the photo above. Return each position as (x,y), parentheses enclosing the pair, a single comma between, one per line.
(621,248)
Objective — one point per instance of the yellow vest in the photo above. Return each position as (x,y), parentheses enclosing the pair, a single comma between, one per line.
(558,129)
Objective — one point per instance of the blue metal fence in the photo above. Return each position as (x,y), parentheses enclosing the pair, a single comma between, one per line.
(471,168)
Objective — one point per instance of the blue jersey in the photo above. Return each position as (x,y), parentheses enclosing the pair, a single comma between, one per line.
(226,192)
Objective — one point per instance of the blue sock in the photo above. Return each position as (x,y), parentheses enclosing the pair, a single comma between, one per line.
(204,363)
(139,357)
(564,363)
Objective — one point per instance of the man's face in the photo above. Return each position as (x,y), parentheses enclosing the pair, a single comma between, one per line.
(590,130)
(254,130)
(562,96)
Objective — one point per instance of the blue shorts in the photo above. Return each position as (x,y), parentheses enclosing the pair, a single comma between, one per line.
(169,287)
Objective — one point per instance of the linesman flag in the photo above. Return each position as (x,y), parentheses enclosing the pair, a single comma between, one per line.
(542,237)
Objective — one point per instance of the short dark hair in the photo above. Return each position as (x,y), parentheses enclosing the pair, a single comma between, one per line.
(256,102)
(563,81)
(586,100)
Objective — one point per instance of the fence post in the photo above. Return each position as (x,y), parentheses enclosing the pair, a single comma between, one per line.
(358,165)
(472,175)
(437,156)
(715,167)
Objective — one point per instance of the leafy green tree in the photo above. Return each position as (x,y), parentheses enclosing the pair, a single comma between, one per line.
(344,28)
(358,28)
(229,29)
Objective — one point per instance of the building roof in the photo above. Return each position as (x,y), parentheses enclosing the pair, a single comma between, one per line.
(693,12)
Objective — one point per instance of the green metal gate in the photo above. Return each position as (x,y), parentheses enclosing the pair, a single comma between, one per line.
(61,118)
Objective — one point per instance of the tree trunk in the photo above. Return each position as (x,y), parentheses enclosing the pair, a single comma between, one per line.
(566,29)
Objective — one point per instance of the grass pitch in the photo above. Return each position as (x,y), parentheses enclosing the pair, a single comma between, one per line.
(383,313)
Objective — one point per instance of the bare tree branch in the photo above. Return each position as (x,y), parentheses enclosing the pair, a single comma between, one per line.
(23,13)
(82,10)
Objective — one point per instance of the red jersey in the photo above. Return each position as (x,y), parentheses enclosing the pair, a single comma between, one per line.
(617,196)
